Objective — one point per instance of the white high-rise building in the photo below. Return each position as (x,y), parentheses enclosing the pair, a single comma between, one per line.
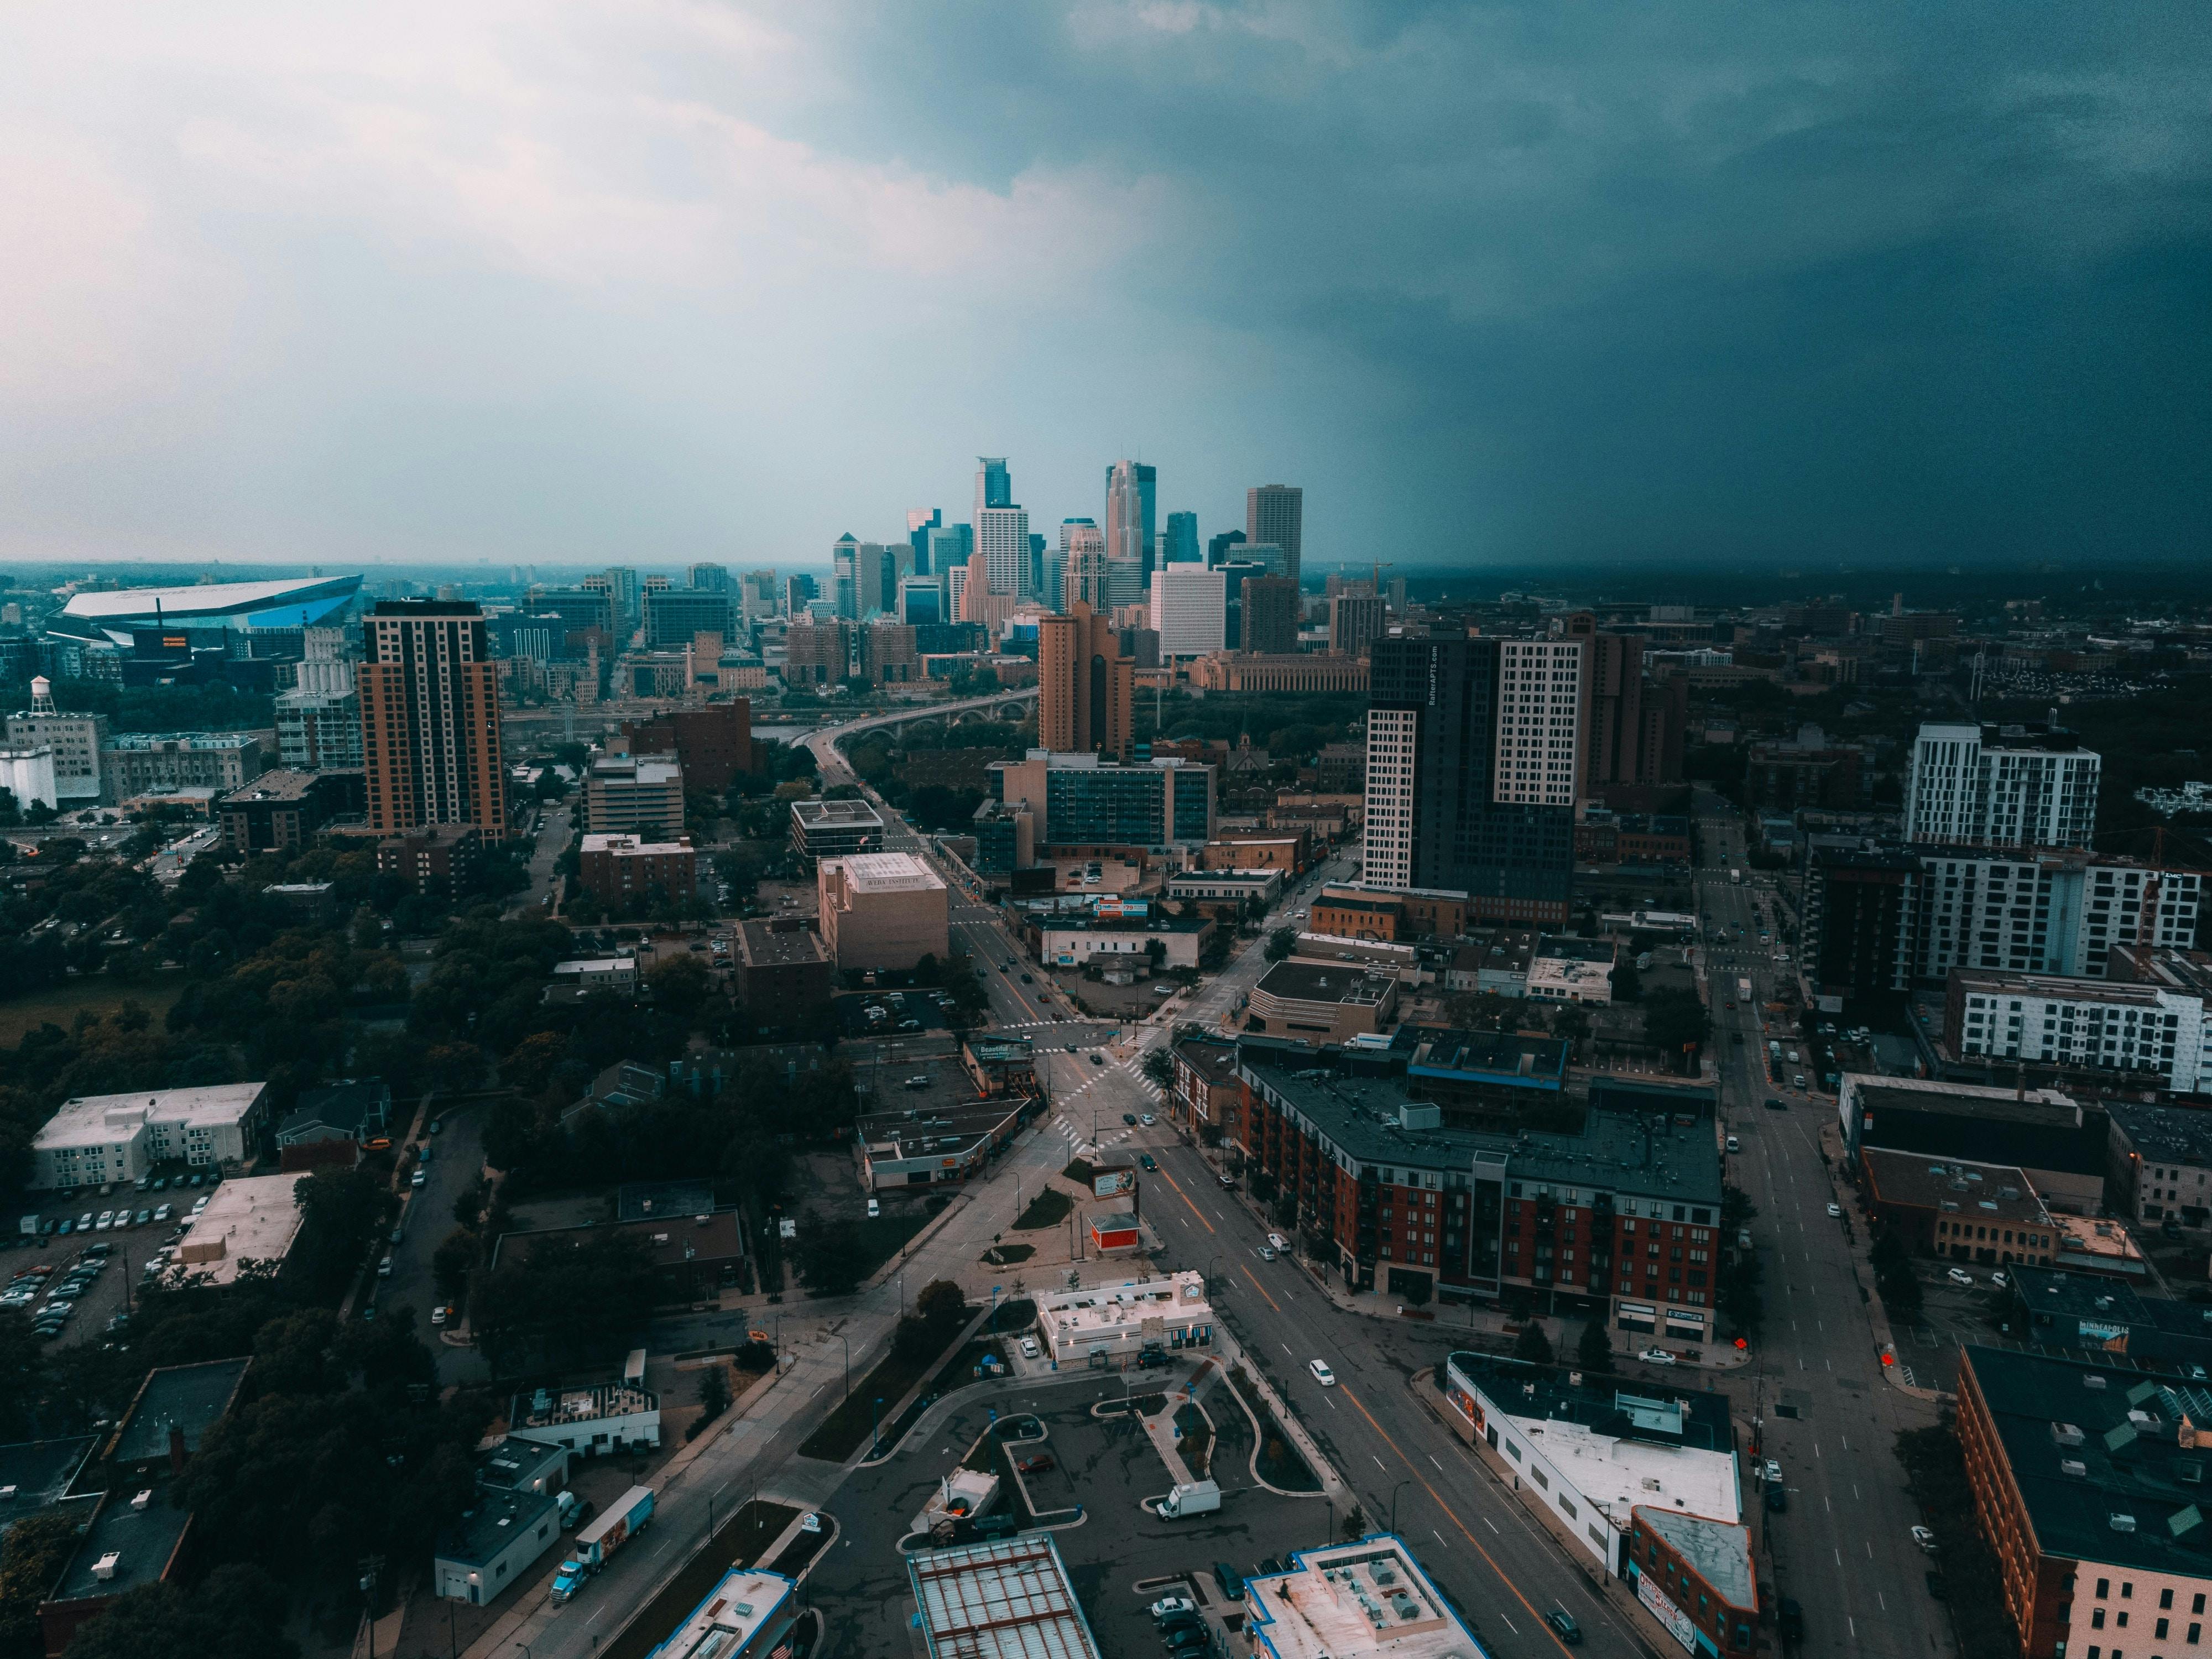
(1539,702)
(1124,516)
(1387,842)
(1002,530)
(1987,786)
(1190,610)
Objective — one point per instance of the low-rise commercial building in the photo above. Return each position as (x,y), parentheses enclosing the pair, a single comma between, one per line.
(693,1256)
(1164,942)
(882,910)
(995,1600)
(1595,1449)
(592,1422)
(835,829)
(1205,1096)
(1694,1576)
(1493,961)
(519,1464)
(596,973)
(1304,671)
(936,1143)
(1959,1211)
(616,868)
(2087,1484)
(2162,1160)
(488,1548)
(282,809)
(1285,854)
(2060,1144)
(1366,1600)
(2099,1315)
(1355,910)
(1084,805)
(250,1221)
(1322,1002)
(747,1615)
(1103,1324)
(1237,888)
(103,1138)
(779,975)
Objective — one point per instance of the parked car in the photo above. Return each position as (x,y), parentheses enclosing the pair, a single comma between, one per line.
(1836,1210)
(1925,1538)
(1773,1472)
(1959,1277)
(437,1316)
(1030,1349)
(1168,1604)
(1655,1357)
(1279,1240)
(1036,1465)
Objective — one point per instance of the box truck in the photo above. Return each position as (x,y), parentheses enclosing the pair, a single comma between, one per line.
(623,1520)
(1190,1498)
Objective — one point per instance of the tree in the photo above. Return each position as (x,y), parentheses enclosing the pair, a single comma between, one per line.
(1159,1066)
(342,1210)
(678,983)
(1533,1345)
(31,1555)
(1281,943)
(453,1261)
(941,1302)
(828,1258)
(22,1368)
(1593,1352)
(1674,1020)
(1628,983)
(237,1611)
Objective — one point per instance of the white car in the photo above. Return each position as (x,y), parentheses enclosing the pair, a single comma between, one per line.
(1278,1242)
(1146,1120)
(1171,1604)
(1322,1374)
(1959,1276)
(1657,1357)
(1773,1473)
(1030,1349)
(1925,1538)
(1836,1209)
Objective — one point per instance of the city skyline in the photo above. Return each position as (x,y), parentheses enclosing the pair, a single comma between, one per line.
(359,290)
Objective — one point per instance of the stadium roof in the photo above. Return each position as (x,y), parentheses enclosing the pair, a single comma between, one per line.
(300,603)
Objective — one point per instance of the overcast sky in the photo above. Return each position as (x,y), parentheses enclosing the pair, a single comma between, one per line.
(647,281)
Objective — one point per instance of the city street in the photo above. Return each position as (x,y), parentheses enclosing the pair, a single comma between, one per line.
(1842,1549)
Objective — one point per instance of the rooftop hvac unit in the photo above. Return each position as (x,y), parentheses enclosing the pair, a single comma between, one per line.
(104,1569)
(2075,1467)
(143,1499)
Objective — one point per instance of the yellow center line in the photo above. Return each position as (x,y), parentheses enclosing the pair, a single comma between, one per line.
(1439,1499)
(1262,1289)
(1185,1197)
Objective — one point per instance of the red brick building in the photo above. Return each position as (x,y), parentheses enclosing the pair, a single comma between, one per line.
(1206,1092)
(1694,1576)
(617,867)
(1619,1221)
(713,744)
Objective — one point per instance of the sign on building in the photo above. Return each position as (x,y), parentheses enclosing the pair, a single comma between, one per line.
(1656,1601)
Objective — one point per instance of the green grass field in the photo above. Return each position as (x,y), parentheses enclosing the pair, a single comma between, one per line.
(101,996)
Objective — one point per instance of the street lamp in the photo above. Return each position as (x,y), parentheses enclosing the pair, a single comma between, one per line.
(875,1435)
(1395,1491)
(1218,1256)
(848,1341)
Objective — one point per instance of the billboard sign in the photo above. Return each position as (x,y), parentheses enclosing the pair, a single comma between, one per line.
(1106,1183)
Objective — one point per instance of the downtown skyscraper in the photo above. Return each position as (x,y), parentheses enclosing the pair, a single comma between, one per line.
(1002,529)
(1274,515)
(1131,499)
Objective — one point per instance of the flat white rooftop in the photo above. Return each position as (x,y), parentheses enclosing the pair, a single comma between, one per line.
(101,1119)
(1353,1601)
(733,1613)
(249,1218)
(1617,1474)
(888,872)
(595,965)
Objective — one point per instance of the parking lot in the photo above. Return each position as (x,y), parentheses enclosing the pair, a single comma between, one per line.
(1120,1556)
(125,1245)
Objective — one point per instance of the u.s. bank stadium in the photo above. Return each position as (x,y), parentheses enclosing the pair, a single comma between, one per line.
(151,635)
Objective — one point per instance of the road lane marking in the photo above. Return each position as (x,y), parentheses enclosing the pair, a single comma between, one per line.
(1436,1498)
(1183,1196)
(1272,1303)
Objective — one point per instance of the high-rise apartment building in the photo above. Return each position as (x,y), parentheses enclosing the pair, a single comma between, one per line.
(757,593)
(1446,806)
(429,719)
(709,578)
(1355,622)
(1189,611)
(1275,514)
(1989,785)
(950,547)
(317,729)
(1539,720)
(1084,686)
(1271,607)
(817,652)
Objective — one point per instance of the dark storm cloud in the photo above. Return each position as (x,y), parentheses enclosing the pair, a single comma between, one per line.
(582,279)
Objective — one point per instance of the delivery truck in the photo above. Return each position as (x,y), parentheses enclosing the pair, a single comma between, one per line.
(623,1520)
(1190,1498)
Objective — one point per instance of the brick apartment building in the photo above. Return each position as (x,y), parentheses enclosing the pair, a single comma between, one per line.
(614,868)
